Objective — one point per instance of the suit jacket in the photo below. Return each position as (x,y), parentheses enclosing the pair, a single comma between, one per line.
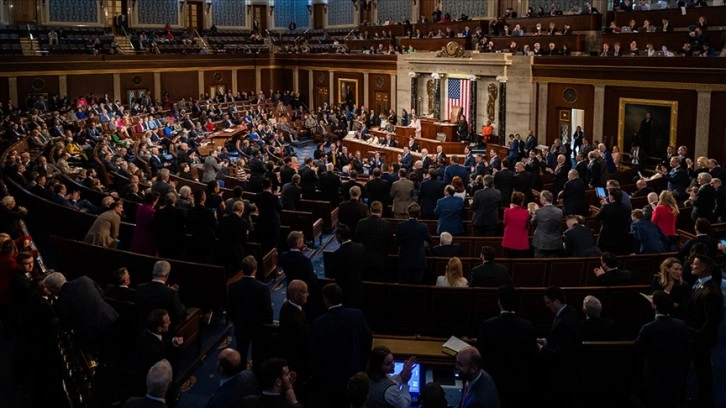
(402,195)
(81,304)
(548,234)
(376,236)
(407,161)
(429,192)
(105,230)
(710,243)
(705,203)
(522,182)
(298,266)
(599,329)
(486,207)
(410,238)
(347,271)
(350,212)
(665,343)
(148,351)
(249,306)
(580,241)
(564,338)
(169,228)
(678,182)
(573,198)
(508,347)
(456,170)
(482,393)
(308,182)
(120,293)
(232,392)
(290,196)
(142,402)
(450,212)
(489,274)
(232,232)
(594,174)
(295,332)
(614,277)
(703,312)
(447,251)
(341,343)
(155,295)
(378,189)
(648,238)
(329,187)
(503,181)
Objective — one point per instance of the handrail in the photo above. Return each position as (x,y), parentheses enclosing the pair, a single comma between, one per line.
(204,43)
(350,32)
(30,36)
(128,37)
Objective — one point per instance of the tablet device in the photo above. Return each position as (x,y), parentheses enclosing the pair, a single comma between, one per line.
(414,385)
(723,242)
(600,191)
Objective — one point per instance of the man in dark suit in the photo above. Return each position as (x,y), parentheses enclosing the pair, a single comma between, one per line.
(377,189)
(120,290)
(489,274)
(152,345)
(455,169)
(702,313)
(232,232)
(508,347)
(503,182)
(573,195)
(429,192)
(704,199)
(677,178)
(375,234)
(411,236)
(341,343)
(479,389)
(347,267)
(158,380)
(294,262)
(595,327)
(648,238)
(295,333)
(235,383)
(608,273)
(594,178)
(330,185)
(157,295)
(447,249)
(286,171)
(664,342)
(352,211)
(523,181)
(350,183)
(290,194)
(308,179)
(406,159)
(250,307)
(702,228)
(558,349)
(169,228)
(486,209)
(642,189)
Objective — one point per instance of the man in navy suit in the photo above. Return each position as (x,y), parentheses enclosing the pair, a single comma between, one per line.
(341,343)
(347,268)
(158,295)
(489,274)
(234,383)
(664,342)
(295,333)
(486,209)
(429,192)
(648,238)
(450,213)
(479,389)
(677,178)
(411,235)
(376,236)
(250,307)
(447,249)
(455,169)
(573,195)
(508,347)
(494,162)
(406,159)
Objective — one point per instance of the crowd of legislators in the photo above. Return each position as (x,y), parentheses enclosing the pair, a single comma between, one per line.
(432,187)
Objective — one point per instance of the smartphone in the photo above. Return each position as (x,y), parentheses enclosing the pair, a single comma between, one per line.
(600,191)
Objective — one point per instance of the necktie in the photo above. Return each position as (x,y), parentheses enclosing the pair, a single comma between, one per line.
(464,393)
(696,287)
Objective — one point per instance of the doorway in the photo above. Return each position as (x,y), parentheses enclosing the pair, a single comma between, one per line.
(195,16)
(569,121)
(259,15)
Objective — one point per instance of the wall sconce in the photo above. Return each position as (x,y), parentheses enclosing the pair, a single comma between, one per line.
(325,8)
(102,3)
(414,2)
(249,8)
(310,9)
(355,4)
(181,4)
(133,4)
(272,9)
(209,4)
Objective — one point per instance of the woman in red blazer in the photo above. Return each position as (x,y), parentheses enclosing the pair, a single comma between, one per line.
(516,229)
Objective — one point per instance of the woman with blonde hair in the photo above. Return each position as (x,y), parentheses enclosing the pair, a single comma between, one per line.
(665,215)
(670,280)
(454,276)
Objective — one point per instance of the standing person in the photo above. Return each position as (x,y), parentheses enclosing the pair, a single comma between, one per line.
(479,389)
(665,215)
(450,212)
(169,227)
(376,236)
(516,227)
(295,332)
(250,308)
(232,232)
(486,209)
(341,343)
(429,193)
(351,211)
(547,240)
(105,229)
(508,347)
(664,342)
(347,268)
(143,241)
(202,226)
(579,239)
(411,236)
(236,383)
(614,217)
(268,220)
(573,195)
(402,194)
(702,313)
(386,390)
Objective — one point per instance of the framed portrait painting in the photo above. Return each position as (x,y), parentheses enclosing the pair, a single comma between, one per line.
(650,123)
(347,91)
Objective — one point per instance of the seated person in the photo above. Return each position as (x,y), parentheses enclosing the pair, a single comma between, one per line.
(447,249)
(608,274)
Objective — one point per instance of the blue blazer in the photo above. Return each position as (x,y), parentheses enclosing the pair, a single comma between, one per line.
(450,212)
(410,238)
(648,238)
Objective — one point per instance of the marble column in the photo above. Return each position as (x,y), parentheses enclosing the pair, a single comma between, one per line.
(703,114)
(502,119)
(437,95)
(13,90)
(296,79)
(366,87)
(117,95)
(62,85)
(394,85)
(598,114)
(542,112)
(471,115)
(234,82)
(414,91)
(157,85)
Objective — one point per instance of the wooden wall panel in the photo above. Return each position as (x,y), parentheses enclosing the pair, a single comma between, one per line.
(717,128)
(686,99)
(5,90)
(216,78)
(141,80)
(556,102)
(37,84)
(180,85)
(246,80)
(321,86)
(283,79)
(267,78)
(82,85)
(303,83)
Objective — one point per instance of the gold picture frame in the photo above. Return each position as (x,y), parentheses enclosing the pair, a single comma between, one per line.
(653,135)
(347,91)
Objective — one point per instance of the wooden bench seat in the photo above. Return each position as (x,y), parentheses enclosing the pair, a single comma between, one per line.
(304,221)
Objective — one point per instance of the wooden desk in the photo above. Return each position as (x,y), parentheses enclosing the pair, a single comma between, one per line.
(426,349)
(406,131)
(367,150)
(582,22)
(430,128)
(219,137)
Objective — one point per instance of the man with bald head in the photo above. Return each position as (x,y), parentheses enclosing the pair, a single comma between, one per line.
(479,389)
(234,383)
(295,334)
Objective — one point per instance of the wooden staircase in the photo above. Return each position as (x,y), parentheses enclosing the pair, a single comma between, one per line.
(124,45)
(30,47)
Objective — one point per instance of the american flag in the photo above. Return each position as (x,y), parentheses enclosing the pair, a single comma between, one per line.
(458,90)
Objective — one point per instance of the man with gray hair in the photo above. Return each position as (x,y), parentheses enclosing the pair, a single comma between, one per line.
(648,208)
(158,295)
(447,249)
(80,303)
(547,239)
(158,380)
(595,328)
(353,210)
(703,198)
